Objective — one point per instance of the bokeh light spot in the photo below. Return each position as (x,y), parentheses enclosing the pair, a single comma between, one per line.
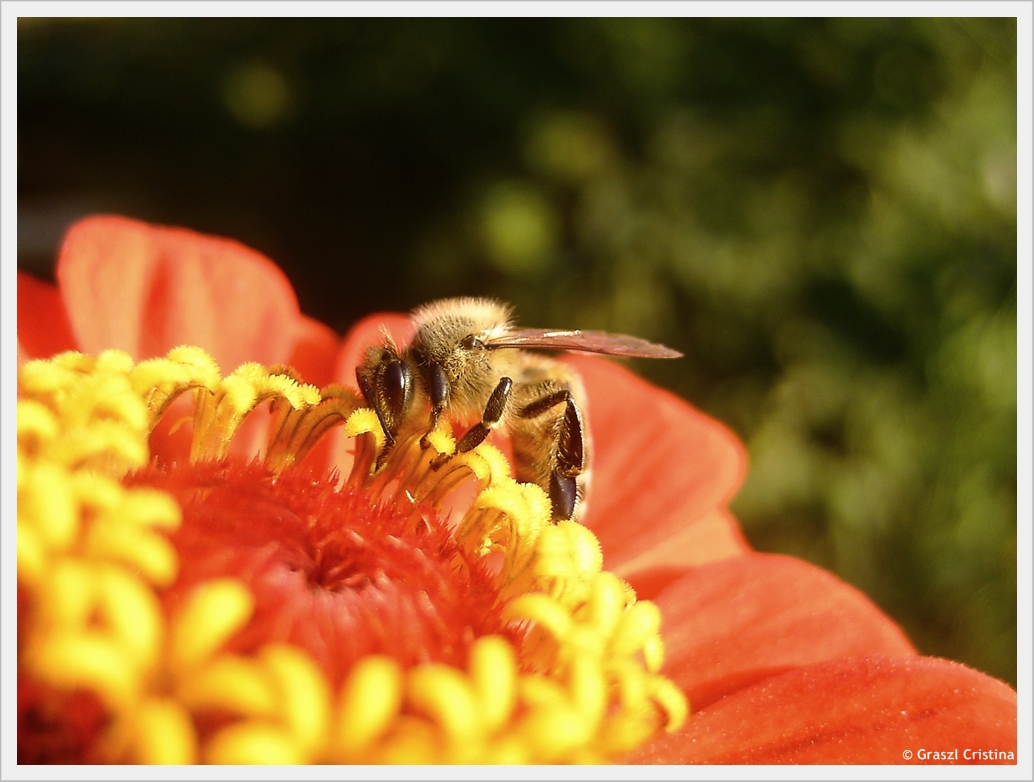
(257,95)
(518,228)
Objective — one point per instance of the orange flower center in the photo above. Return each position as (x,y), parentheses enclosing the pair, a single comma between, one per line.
(332,571)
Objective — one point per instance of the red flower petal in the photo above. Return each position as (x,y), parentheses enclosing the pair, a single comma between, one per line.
(43,327)
(315,352)
(860,710)
(710,538)
(732,623)
(146,289)
(659,467)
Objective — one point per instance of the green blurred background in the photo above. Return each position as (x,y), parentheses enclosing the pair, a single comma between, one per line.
(821,213)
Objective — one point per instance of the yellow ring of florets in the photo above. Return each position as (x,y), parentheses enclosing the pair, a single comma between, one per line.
(582,686)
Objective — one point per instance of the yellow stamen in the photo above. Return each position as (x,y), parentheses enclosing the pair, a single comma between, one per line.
(637,624)
(231,683)
(442,693)
(369,704)
(46,500)
(164,733)
(253,742)
(89,660)
(150,553)
(214,612)
(493,670)
(295,430)
(303,692)
(131,610)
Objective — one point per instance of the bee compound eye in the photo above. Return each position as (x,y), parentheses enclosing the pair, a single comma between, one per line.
(396,385)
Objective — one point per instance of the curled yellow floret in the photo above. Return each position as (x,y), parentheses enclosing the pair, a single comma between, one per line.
(574,681)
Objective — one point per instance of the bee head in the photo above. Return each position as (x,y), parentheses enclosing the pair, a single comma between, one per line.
(386,381)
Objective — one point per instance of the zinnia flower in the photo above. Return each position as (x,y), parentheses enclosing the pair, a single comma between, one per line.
(217,568)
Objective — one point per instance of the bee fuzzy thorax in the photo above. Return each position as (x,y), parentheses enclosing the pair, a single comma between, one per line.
(463,316)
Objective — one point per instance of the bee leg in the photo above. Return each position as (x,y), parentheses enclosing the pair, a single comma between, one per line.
(367,391)
(438,390)
(570,450)
(476,435)
(389,439)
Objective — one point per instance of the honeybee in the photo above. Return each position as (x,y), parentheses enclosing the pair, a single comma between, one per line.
(468,361)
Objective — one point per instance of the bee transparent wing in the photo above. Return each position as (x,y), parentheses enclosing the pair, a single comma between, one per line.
(585,341)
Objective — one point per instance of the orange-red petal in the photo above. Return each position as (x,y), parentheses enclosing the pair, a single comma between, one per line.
(43,327)
(732,623)
(710,538)
(857,710)
(315,351)
(659,467)
(146,289)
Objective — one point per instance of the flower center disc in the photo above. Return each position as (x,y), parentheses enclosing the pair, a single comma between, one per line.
(331,571)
